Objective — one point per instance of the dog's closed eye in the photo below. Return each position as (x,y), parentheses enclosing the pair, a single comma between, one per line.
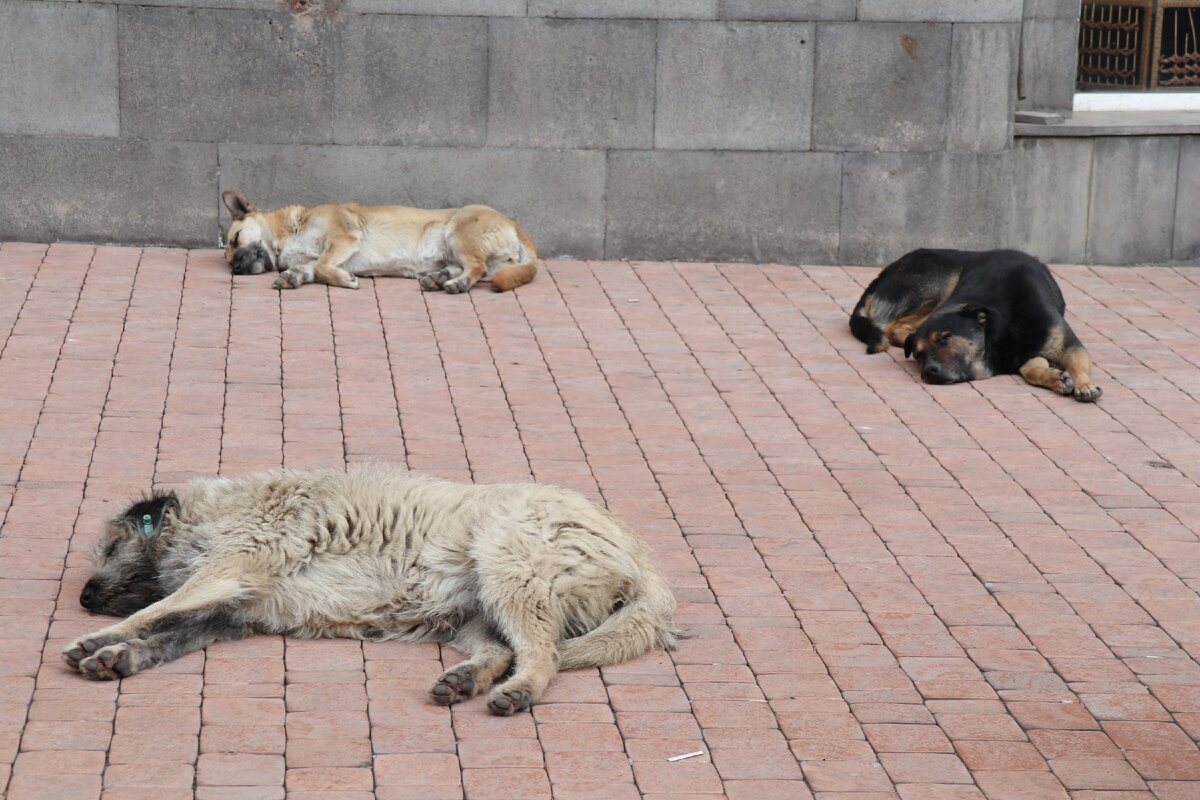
(233,239)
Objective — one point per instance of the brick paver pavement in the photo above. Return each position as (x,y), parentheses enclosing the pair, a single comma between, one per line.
(932,593)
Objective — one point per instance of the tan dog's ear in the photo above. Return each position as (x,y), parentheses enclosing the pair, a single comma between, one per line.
(237,203)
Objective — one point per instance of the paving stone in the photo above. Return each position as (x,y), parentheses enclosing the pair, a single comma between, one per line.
(669,389)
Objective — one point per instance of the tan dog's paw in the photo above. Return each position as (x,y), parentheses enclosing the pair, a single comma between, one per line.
(459,284)
(1088,393)
(432,281)
(288,279)
(109,663)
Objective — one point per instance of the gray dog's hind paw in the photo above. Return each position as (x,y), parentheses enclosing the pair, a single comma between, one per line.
(453,686)
(108,663)
(506,703)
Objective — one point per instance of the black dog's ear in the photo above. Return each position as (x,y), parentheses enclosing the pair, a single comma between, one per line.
(147,515)
(238,204)
(977,312)
(910,344)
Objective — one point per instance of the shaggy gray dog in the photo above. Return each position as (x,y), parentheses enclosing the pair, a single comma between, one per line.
(524,572)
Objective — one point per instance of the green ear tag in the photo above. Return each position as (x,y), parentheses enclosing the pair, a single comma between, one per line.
(147,525)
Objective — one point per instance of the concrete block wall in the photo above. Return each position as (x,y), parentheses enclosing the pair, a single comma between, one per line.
(796,131)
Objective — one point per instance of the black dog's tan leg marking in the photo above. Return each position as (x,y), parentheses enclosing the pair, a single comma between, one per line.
(1038,372)
(901,328)
(1078,363)
(488,659)
(160,632)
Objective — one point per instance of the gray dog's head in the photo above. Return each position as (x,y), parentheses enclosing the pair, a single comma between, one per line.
(125,575)
(248,244)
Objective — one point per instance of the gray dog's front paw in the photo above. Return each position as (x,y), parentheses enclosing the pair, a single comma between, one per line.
(458,285)
(109,663)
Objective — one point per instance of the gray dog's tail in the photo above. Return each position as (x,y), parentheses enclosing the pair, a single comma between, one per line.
(633,629)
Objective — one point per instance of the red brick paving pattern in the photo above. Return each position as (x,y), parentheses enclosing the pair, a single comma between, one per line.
(977,591)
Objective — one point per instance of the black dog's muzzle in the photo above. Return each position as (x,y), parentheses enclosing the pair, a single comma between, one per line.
(252,260)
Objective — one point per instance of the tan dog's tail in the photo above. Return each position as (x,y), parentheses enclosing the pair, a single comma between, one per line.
(632,630)
(510,277)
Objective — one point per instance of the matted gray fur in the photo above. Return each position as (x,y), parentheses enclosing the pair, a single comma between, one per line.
(521,572)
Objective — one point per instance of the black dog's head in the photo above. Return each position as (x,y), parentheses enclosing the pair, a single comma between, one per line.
(124,568)
(951,346)
(248,243)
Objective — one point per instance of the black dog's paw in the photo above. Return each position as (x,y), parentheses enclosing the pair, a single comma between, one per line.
(1066,386)
(1088,393)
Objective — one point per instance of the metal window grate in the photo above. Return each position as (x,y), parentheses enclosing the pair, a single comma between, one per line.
(1113,38)
(1176,47)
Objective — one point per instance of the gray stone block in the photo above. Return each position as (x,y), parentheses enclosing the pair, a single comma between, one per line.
(1132,206)
(788,9)
(410,80)
(469,8)
(734,86)
(1050,198)
(983,86)
(1186,244)
(896,202)
(108,190)
(571,83)
(218,75)
(881,86)
(1049,58)
(779,207)
(59,69)
(1051,9)
(557,196)
(940,10)
(629,9)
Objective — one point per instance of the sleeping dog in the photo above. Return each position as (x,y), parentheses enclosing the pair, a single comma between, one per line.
(970,315)
(525,579)
(449,248)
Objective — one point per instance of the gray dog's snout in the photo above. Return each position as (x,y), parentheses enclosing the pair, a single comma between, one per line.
(88,596)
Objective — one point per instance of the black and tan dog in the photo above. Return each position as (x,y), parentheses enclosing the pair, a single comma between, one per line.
(970,315)
(447,248)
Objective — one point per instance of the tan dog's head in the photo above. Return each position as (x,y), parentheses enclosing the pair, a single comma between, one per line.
(248,245)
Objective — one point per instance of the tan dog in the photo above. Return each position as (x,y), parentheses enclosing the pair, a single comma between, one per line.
(447,248)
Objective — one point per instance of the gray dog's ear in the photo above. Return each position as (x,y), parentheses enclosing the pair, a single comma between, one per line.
(238,204)
(147,515)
